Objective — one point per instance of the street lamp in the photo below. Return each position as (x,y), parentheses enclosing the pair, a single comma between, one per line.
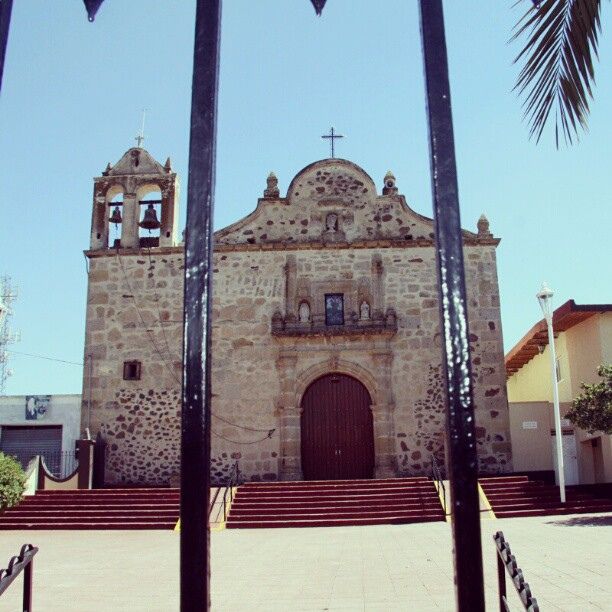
(545,296)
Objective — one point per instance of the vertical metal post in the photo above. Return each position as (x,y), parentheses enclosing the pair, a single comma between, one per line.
(501,580)
(27,586)
(5,19)
(195,437)
(556,410)
(461,440)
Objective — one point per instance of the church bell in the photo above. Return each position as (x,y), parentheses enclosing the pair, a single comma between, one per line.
(150,221)
(116,216)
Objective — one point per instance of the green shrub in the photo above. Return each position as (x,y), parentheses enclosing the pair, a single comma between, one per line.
(12,481)
(592,409)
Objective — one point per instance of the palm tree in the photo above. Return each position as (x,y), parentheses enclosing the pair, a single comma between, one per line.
(557,71)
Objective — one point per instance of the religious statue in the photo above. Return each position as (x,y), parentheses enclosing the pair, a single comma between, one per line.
(331,223)
(364,311)
(271,191)
(304,312)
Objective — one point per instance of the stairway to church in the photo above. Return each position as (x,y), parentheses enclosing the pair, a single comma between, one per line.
(95,509)
(334,503)
(515,496)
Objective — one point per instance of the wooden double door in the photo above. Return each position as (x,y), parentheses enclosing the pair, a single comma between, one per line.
(337,429)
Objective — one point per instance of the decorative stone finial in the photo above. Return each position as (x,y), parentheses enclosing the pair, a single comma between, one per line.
(108,169)
(389,188)
(168,165)
(483,226)
(271,190)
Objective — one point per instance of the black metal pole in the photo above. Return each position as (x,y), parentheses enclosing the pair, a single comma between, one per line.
(461,439)
(27,586)
(195,437)
(501,580)
(5,20)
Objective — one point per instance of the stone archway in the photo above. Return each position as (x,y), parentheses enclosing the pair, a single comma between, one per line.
(336,427)
(293,385)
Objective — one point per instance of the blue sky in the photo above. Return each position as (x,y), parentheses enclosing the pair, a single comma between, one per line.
(72,99)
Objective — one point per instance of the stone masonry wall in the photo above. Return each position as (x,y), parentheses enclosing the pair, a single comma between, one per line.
(135,312)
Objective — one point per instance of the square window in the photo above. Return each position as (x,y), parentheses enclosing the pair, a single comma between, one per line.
(131,370)
(558,370)
(334,309)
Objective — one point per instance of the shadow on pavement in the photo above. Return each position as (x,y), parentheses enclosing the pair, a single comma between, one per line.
(583,521)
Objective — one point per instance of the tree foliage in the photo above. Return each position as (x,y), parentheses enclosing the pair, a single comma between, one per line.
(12,481)
(592,409)
(557,64)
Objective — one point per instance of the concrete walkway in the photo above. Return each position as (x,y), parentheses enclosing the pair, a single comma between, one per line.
(566,560)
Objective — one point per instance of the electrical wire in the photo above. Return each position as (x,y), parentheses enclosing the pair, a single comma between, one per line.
(241,426)
(144,325)
(44,357)
(150,337)
(268,437)
(159,317)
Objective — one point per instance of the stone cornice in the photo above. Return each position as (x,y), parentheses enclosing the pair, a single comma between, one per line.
(297,246)
(111,252)
(318,332)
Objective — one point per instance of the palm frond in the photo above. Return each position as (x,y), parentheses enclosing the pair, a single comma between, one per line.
(557,72)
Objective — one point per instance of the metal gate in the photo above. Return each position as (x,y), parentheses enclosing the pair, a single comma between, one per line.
(337,429)
(26,441)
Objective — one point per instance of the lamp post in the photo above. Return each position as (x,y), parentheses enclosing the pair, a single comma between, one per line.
(545,296)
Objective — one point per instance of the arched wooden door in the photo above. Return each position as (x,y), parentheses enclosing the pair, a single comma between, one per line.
(337,430)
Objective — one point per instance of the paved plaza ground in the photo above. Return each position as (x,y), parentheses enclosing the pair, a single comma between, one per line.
(566,560)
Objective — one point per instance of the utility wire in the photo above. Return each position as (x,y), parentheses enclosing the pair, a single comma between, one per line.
(150,337)
(159,317)
(144,325)
(44,357)
(269,436)
(241,426)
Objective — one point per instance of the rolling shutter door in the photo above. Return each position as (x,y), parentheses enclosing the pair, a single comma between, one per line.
(27,441)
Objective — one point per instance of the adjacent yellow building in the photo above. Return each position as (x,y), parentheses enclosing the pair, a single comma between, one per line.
(583,341)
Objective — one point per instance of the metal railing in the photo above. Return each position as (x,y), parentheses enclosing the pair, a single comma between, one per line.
(233,481)
(21,563)
(59,463)
(506,561)
(436,474)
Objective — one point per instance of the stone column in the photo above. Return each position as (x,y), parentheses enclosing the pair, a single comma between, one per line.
(129,226)
(384,443)
(291,449)
(290,288)
(99,221)
(377,288)
(169,215)
(290,464)
(382,413)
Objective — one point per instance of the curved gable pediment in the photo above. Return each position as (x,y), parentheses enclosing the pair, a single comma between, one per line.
(329,201)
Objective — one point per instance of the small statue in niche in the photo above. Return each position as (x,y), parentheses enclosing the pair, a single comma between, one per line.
(364,311)
(331,223)
(304,312)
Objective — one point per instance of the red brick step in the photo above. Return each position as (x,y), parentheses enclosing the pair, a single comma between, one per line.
(335,503)
(95,509)
(517,496)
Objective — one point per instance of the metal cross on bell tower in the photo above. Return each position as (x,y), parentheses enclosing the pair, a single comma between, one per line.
(140,136)
(332,135)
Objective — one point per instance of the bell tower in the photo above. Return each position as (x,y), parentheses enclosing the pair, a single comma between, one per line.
(139,197)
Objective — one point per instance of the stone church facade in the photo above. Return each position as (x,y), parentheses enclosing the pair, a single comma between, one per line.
(326,335)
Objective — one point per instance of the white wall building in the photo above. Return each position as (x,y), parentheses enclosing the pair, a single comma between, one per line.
(47,425)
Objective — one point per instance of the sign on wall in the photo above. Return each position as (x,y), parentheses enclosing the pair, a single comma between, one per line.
(530,424)
(36,406)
